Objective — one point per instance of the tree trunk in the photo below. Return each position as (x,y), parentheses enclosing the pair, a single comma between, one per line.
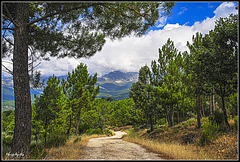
(203,112)
(50,129)
(45,136)
(167,116)
(224,111)
(198,111)
(172,115)
(78,119)
(70,124)
(183,109)
(213,100)
(210,105)
(177,113)
(23,112)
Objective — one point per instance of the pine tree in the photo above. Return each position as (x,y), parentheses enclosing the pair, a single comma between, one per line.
(41,25)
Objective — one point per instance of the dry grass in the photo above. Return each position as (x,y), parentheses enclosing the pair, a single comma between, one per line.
(171,150)
(72,150)
(224,147)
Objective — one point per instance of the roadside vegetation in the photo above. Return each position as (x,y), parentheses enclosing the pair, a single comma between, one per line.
(185,142)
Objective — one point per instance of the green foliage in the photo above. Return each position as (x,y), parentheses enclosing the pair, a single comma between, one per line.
(218,118)
(56,140)
(189,122)
(161,121)
(77,139)
(8,121)
(234,104)
(209,132)
(235,125)
(6,142)
(96,131)
(37,151)
(108,132)
(132,134)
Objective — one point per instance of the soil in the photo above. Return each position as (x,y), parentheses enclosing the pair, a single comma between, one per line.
(114,148)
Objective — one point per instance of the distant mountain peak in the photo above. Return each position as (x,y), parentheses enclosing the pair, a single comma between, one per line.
(120,76)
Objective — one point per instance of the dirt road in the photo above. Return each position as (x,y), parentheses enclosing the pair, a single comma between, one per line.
(114,148)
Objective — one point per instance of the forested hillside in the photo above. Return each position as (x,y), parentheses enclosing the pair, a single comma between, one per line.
(115,84)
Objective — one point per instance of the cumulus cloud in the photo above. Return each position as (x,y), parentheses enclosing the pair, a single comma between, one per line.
(224,9)
(131,53)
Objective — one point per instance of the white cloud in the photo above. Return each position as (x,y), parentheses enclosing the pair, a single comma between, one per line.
(224,9)
(161,22)
(131,53)
(183,9)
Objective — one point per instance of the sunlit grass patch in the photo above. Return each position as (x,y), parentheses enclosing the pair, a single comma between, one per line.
(169,150)
(72,150)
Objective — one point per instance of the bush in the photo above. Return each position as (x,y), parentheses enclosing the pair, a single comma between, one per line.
(209,132)
(161,121)
(132,134)
(108,132)
(96,131)
(77,139)
(217,117)
(37,151)
(235,125)
(56,141)
(6,142)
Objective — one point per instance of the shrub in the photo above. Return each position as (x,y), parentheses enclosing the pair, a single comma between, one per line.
(56,141)
(6,142)
(77,139)
(235,125)
(217,117)
(209,132)
(96,131)
(132,134)
(161,121)
(37,151)
(108,132)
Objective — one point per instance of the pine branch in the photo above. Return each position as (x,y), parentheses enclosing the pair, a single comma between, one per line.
(53,14)
(35,66)
(10,17)
(7,70)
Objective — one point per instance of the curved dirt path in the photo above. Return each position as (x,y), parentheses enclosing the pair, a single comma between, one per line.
(114,148)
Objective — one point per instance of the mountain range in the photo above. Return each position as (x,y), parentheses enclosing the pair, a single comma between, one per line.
(115,84)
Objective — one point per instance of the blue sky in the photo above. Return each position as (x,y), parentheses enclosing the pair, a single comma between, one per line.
(131,53)
(190,12)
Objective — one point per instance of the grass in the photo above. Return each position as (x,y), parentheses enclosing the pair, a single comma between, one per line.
(73,150)
(172,150)
(168,142)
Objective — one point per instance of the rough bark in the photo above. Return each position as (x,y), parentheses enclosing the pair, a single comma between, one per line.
(70,124)
(213,100)
(78,120)
(183,109)
(210,105)
(23,112)
(172,115)
(198,111)
(203,111)
(178,114)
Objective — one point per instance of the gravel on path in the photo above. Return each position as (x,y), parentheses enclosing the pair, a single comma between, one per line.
(114,148)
